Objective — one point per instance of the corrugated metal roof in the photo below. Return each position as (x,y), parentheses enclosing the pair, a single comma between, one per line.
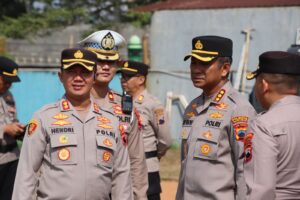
(214,4)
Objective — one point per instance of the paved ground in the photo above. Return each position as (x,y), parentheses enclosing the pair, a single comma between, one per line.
(168,190)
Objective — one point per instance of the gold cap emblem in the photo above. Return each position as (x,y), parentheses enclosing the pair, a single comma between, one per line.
(78,54)
(198,45)
(108,42)
(126,64)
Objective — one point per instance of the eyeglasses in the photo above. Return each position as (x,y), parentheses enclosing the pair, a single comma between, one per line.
(127,77)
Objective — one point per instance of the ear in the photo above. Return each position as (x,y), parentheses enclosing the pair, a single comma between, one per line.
(265,86)
(141,80)
(225,70)
(60,75)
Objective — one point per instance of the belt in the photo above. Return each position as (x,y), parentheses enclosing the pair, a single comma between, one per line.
(7,148)
(151,154)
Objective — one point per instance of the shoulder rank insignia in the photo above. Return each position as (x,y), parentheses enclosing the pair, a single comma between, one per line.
(111,96)
(96,108)
(140,98)
(65,105)
(220,95)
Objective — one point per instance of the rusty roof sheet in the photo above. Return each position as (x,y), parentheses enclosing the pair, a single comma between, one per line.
(214,4)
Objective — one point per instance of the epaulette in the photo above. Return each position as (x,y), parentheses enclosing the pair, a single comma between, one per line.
(49,106)
(219,96)
(111,96)
(140,99)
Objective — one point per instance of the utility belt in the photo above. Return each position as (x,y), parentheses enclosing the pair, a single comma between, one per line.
(151,154)
(7,148)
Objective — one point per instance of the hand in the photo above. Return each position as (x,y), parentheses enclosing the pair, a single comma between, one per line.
(14,129)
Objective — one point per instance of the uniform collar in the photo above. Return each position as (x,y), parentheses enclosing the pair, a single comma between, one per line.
(66,106)
(285,100)
(217,98)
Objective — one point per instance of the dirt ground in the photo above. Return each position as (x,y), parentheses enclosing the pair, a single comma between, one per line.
(169,171)
(168,190)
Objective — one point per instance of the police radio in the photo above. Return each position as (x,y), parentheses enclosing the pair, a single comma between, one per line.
(127,103)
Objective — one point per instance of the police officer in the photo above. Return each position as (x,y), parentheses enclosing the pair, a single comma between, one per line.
(214,126)
(10,128)
(154,121)
(106,44)
(73,144)
(272,145)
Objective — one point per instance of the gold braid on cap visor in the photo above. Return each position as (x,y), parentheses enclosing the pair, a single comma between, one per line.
(129,69)
(14,73)
(206,58)
(88,67)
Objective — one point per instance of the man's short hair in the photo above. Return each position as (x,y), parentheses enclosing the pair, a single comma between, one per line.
(282,82)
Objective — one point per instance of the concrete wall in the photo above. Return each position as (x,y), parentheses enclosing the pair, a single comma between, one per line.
(172,31)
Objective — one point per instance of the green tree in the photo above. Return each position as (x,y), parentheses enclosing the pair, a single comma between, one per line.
(99,13)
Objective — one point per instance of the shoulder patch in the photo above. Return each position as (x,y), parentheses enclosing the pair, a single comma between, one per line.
(32,126)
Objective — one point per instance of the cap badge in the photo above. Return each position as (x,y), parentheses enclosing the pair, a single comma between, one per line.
(78,54)
(108,42)
(126,64)
(198,45)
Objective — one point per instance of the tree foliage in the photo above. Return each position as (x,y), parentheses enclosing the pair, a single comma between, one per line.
(60,13)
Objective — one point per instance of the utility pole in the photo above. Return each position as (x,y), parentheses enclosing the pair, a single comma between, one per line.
(240,81)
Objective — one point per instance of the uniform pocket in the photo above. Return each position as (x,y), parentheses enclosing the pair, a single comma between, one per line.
(206,146)
(106,147)
(63,149)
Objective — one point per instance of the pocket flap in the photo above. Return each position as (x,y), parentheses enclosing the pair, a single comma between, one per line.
(59,140)
(106,142)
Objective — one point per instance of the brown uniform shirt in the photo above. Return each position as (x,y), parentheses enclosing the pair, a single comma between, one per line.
(71,158)
(133,139)
(7,154)
(272,167)
(212,143)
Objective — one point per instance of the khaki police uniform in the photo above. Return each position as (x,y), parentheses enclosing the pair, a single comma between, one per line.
(9,151)
(212,138)
(132,138)
(156,135)
(8,146)
(272,148)
(273,171)
(106,44)
(76,159)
